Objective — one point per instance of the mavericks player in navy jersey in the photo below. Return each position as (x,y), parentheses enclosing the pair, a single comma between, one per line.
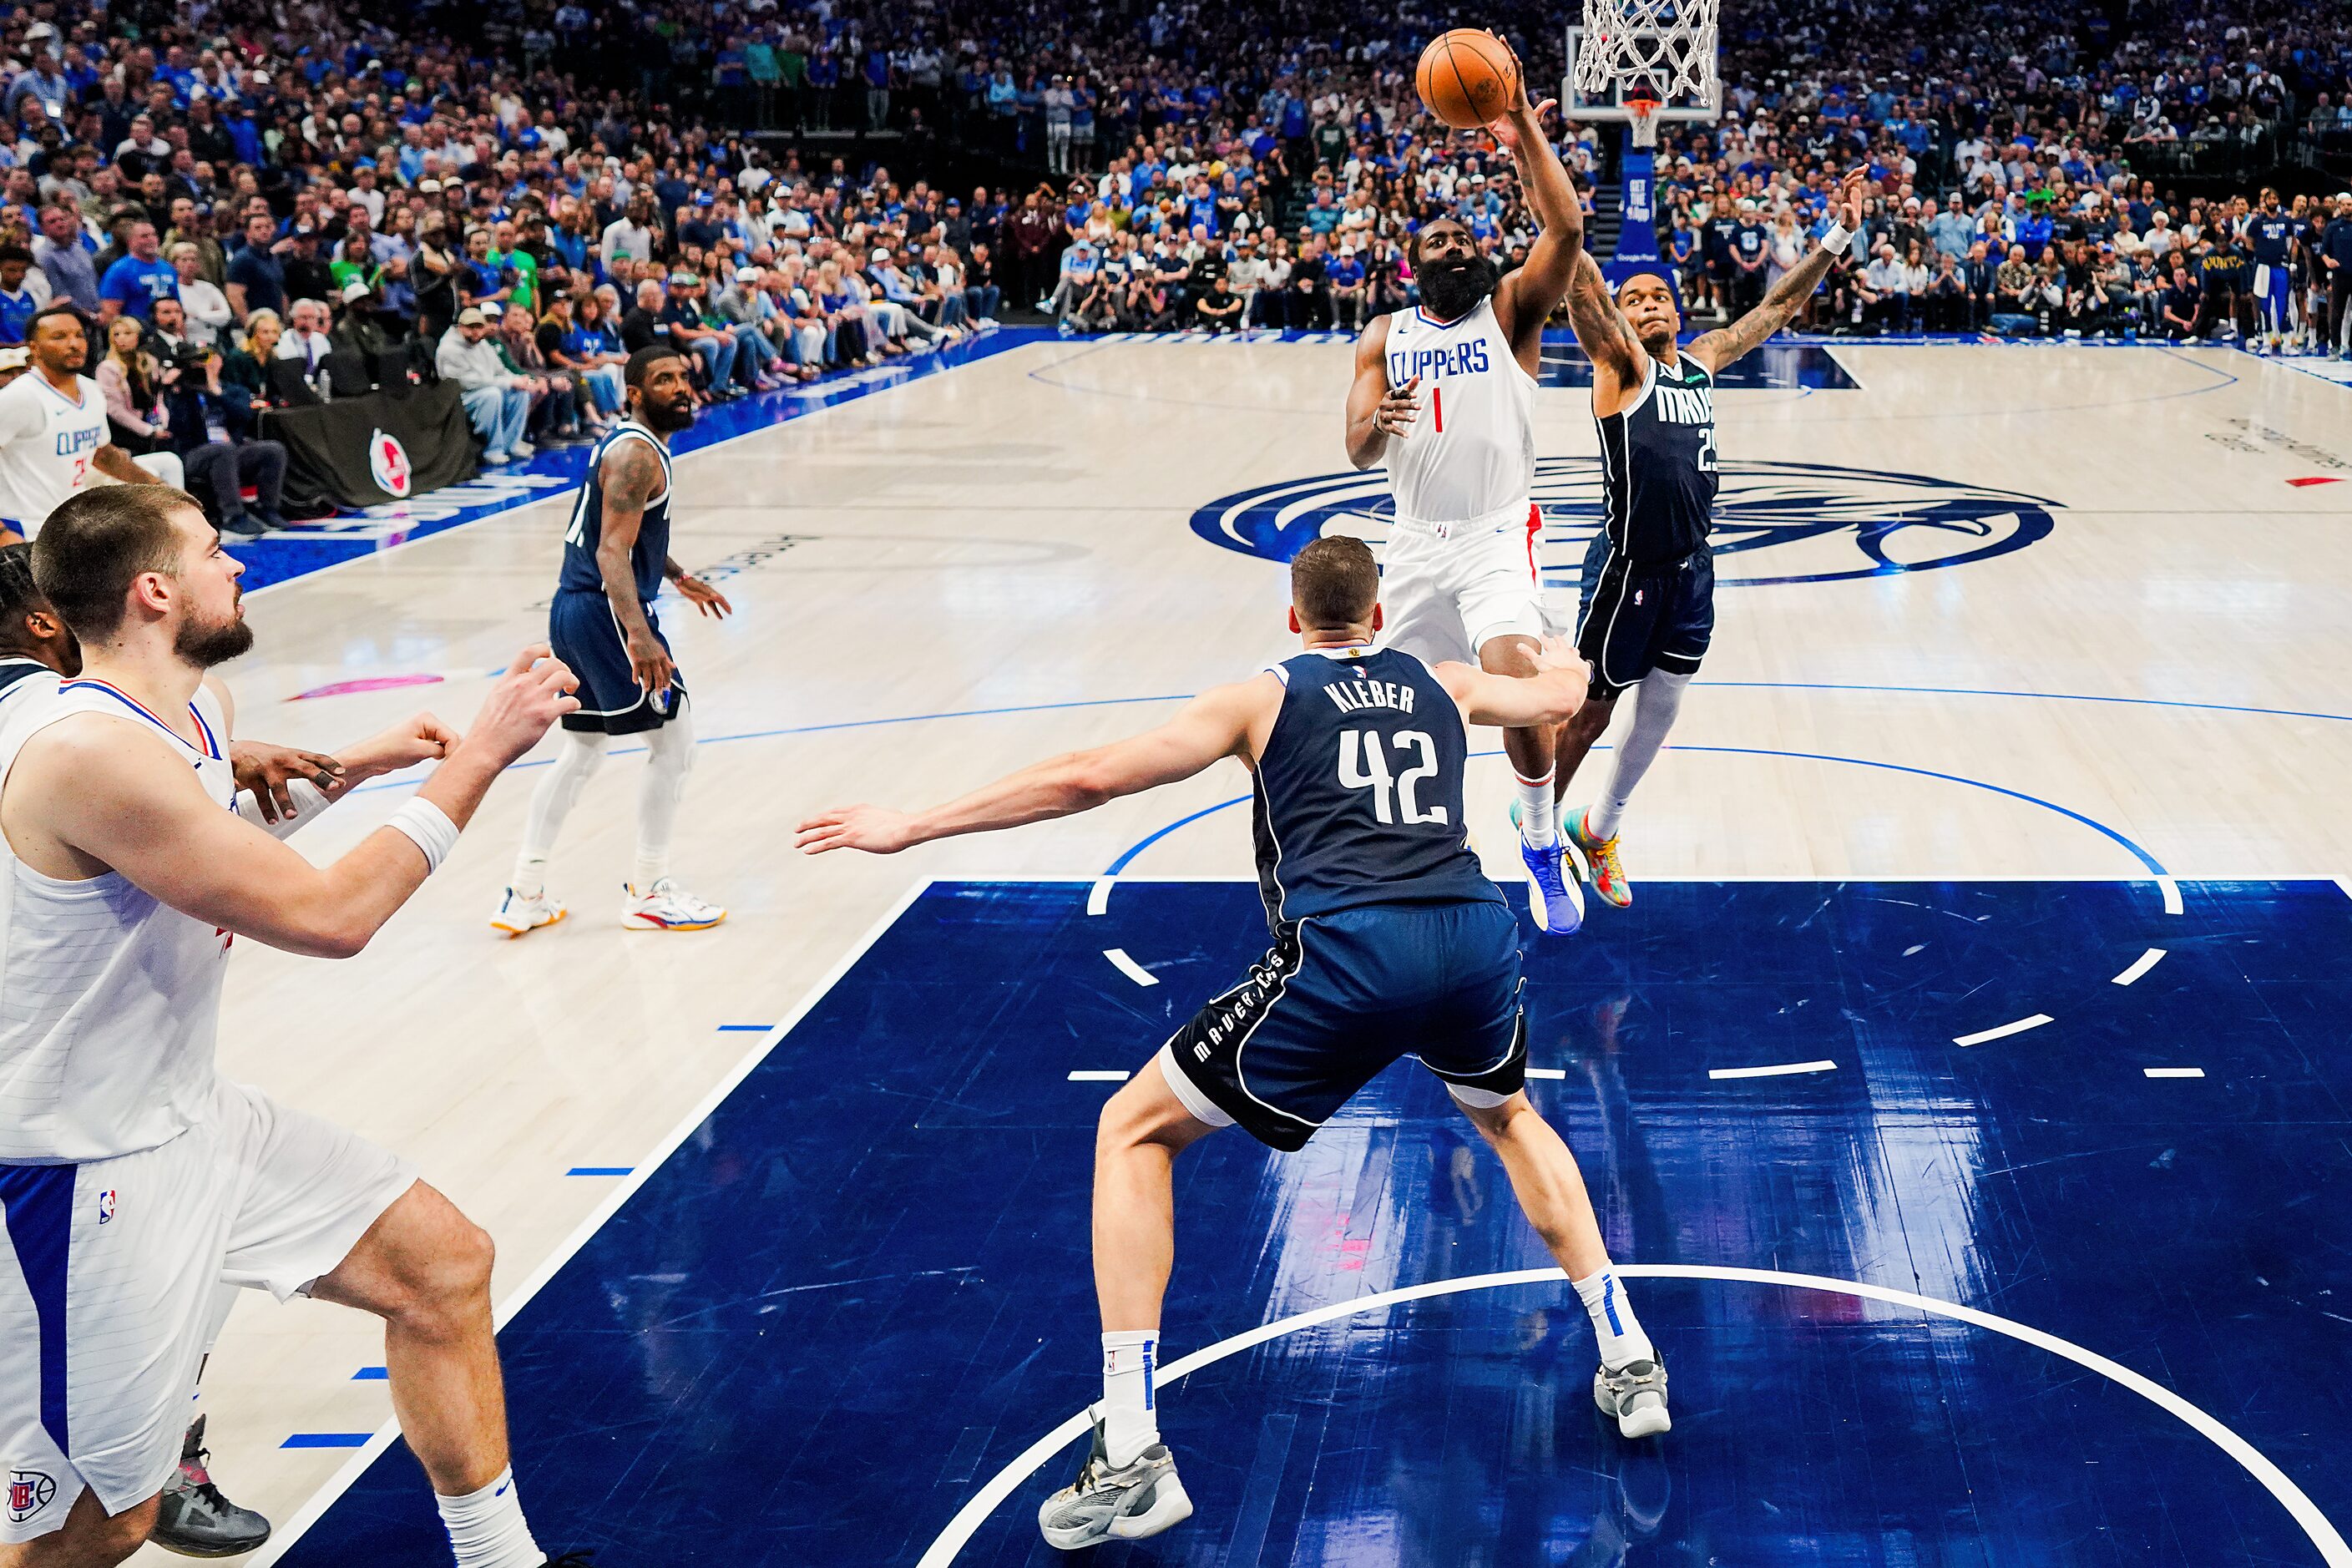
(1444,399)
(1647,610)
(2271,234)
(615,554)
(1388,940)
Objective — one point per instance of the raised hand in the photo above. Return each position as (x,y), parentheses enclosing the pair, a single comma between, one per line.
(1397,410)
(535,691)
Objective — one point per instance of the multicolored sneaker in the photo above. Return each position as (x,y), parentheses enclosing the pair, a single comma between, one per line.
(1124,1504)
(665,906)
(519,913)
(1602,866)
(193,1519)
(1635,1395)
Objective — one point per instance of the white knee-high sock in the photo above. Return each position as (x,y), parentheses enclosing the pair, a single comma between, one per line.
(1623,1341)
(577,754)
(670,758)
(487,1529)
(1657,698)
(1130,1405)
(1533,796)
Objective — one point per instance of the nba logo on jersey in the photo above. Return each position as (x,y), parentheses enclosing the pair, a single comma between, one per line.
(30,1492)
(106,1205)
(388,463)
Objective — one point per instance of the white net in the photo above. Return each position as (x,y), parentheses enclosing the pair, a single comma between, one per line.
(1656,48)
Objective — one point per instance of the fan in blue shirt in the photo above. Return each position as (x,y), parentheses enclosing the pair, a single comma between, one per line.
(132,285)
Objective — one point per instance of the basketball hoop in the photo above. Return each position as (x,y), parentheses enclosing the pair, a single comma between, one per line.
(1642,117)
(1666,46)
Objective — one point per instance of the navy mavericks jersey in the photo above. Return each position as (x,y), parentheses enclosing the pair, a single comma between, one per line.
(1358,796)
(580,569)
(2270,233)
(1657,466)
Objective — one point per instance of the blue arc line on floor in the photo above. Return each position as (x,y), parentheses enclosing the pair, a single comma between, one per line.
(372,1374)
(600,1170)
(327,1440)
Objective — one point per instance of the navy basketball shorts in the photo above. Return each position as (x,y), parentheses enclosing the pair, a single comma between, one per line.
(1342,996)
(1632,619)
(586,634)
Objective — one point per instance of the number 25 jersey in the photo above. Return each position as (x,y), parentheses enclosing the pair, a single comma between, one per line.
(1657,466)
(1359,795)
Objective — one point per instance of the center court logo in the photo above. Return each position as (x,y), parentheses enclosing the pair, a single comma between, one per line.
(30,1492)
(1774,522)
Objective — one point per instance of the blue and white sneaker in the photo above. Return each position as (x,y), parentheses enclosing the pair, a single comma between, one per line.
(1554,896)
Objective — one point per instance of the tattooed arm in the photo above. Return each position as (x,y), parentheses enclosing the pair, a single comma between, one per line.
(1717,349)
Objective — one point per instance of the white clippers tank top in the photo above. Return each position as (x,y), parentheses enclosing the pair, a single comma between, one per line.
(1472,450)
(109,1000)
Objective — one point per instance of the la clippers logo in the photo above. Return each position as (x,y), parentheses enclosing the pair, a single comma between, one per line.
(388,463)
(1774,522)
(106,1205)
(30,1492)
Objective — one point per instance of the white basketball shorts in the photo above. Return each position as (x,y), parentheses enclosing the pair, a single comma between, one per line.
(1448,588)
(109,1274)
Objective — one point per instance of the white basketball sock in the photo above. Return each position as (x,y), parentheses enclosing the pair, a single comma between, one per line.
(1535,807)
(1619,1333)
(1130,1407)
(671,758)
(487,1529)
(1657,698)
(577,754)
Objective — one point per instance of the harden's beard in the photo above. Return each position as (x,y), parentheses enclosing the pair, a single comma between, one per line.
(205,646)
(1451,290)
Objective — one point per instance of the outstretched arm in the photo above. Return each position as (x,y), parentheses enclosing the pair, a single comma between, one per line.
(1218,723)
(1524,299)
(1719,348)
(1376,410)
(1550,696)
(1603,333)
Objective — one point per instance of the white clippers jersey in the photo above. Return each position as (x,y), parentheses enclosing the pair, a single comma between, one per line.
(46,441)
(109,1000)
(1471,451)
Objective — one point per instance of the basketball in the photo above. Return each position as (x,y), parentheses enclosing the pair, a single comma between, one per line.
(1466,77)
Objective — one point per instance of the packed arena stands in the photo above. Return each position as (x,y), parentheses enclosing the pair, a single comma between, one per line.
(517,195)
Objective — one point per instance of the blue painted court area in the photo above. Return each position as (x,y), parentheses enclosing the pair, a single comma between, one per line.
(860,1289)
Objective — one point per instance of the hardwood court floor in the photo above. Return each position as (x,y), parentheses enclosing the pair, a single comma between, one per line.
(2132,663)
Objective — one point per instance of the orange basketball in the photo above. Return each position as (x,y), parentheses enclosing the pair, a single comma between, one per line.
(1466,77)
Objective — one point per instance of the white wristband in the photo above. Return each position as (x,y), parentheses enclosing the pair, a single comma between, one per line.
(429,827)
(1837,239)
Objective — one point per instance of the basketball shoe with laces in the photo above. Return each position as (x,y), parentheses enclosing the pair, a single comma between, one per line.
(520,912)
(193,1519)
(1599,854)
(1124,1504)
(665,906)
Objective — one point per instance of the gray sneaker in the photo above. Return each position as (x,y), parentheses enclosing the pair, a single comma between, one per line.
(1636,1393)
(195,1519)
(1126,1504)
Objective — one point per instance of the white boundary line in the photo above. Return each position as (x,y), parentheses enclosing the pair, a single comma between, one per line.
(568,492)
(325,1498)
(1547,1074)
(1129,967)
(2333,1549)
(2140,966)
(1100,1075)
(2174,1072)
(1785,1067)
(2003,1032)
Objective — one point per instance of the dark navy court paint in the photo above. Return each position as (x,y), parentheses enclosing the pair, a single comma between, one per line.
(862,1286)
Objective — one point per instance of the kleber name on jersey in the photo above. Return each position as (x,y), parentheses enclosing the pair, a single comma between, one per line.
(1468,358)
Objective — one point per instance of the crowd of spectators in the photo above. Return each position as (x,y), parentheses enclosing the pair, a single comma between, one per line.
(514,196)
